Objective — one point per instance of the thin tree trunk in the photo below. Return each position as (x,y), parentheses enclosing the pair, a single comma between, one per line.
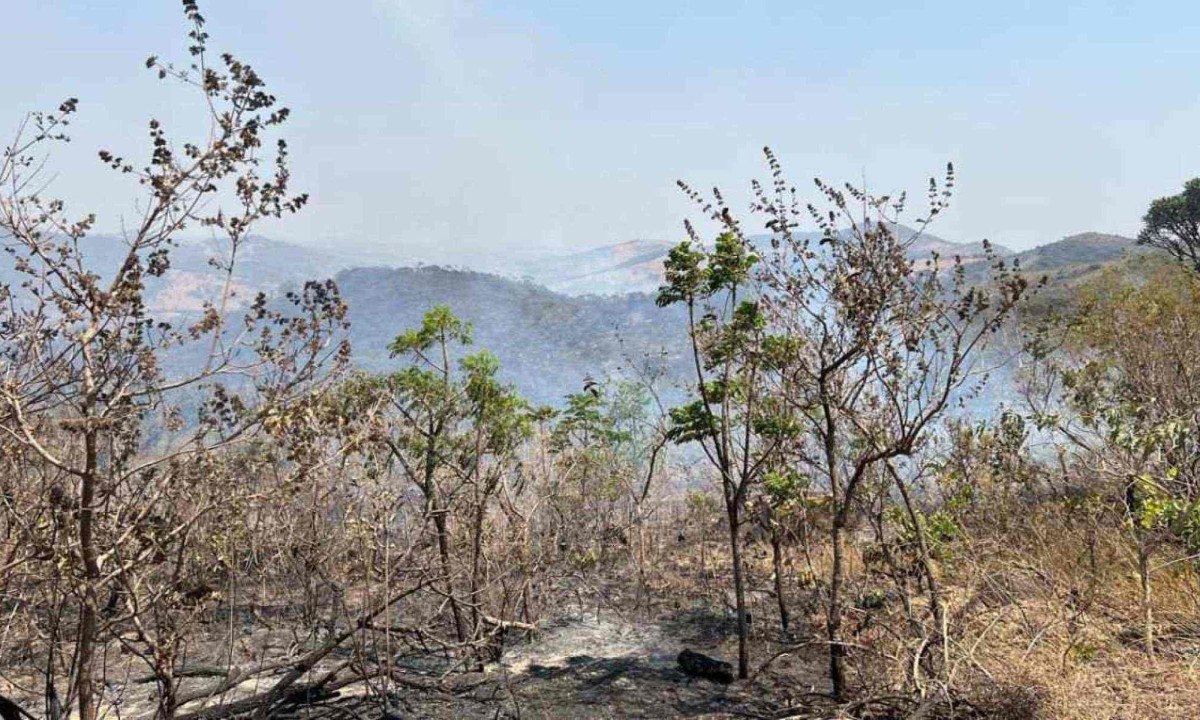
(840,506)
(833,625)
(936,607)
(777,562)
(443,538)
(476,590)
(87,651)
(167,693)
(1147,608)
(739,591)
(476,557)
(85,681)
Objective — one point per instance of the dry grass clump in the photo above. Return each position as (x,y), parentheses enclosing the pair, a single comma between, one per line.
(1055,609)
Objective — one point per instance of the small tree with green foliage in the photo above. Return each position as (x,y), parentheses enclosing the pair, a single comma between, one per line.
(727,331)
(1120,384)
(453,430)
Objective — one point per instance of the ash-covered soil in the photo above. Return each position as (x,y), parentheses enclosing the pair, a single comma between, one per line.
(589,666)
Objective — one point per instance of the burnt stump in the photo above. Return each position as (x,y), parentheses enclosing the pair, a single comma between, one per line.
(700,665)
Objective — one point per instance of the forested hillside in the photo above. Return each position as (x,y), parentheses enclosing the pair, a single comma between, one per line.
(547,343)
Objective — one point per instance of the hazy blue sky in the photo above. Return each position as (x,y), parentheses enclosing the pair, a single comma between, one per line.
(448,129)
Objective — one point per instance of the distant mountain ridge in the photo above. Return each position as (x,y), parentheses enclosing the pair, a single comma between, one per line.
(630,266)
(637,265)
(263,265)
(574,315)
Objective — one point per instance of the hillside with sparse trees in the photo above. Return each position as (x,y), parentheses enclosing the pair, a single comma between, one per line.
(832,466)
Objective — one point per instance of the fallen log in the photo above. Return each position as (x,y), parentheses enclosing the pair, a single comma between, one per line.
(508,624)
(9,710)
(198,671)
(261,704)
(700,665)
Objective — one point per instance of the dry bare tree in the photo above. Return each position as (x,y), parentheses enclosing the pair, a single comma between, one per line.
(116,414)
(871,347)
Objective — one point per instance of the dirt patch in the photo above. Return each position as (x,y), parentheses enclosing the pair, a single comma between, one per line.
(590,668)
(593,637)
